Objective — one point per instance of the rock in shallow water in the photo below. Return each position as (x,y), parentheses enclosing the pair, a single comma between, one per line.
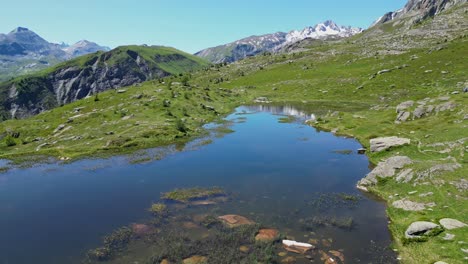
(267,235)
(297,247)
(235,220)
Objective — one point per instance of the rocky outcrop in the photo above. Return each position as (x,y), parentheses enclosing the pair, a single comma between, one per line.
(418,10)
(384,169)
(384,143)
(408,205)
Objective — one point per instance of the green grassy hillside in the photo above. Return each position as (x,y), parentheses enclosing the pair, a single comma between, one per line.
(90,74)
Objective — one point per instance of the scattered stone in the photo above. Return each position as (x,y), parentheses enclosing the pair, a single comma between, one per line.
(417,229)
(440,262)
(297,247)
(408,205)
(450,224)
(455,92)
(244,249)
(195,260)
(261,100)
(383,71)
(412,192)
(419,112)
(289,260)
(337,254)
(326,243)
(385,169)
(267,235)
(235,220)
(384,143)
(121,91)
(403,106)
(60,127)
(449,237)
(445,107)
(403,116)
(361,151)
(405,176)
(426,194)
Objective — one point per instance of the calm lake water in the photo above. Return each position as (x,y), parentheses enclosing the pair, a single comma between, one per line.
(277,174)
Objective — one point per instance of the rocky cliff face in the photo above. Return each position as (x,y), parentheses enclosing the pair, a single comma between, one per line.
(418,10)
(95,73)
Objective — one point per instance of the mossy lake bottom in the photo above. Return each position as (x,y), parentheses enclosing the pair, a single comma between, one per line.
(277,172)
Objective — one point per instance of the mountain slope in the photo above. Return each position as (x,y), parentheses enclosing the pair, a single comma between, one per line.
(273,42)
(90,74)
(23,51)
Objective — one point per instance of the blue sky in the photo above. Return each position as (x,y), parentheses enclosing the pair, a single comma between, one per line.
(189,25)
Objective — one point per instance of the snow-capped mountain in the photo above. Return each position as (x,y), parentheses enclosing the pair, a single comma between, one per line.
(273,42)
(322,30)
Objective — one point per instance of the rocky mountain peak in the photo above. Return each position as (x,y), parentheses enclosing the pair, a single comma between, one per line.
(418,10)
(20,29)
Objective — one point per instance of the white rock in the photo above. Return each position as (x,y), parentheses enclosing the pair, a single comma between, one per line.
(450,224)
(292,243)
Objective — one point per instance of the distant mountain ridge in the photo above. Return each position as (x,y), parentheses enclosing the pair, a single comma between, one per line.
(274,42)
(90,74)
(23,51)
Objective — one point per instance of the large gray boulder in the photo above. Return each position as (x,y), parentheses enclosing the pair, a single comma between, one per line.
(384,169)
(450,224)
(384,143)
(408,205)
(417,229)
(403,106)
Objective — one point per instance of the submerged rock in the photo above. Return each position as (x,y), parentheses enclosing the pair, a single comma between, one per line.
(450,224)
(267,235)
(195,260)
(417,229)
(141,229)
(384,143)
(235,220)
(297,247)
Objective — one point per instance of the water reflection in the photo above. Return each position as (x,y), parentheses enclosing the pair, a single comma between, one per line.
(282,110)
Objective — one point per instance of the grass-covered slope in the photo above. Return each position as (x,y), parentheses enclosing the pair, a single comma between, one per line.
(90,74)
(339,81)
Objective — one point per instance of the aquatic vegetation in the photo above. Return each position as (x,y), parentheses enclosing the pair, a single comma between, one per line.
(312,223)
(185,195)
(158,209)
(286,119)
(325,201)
(343,151)
(113,243)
